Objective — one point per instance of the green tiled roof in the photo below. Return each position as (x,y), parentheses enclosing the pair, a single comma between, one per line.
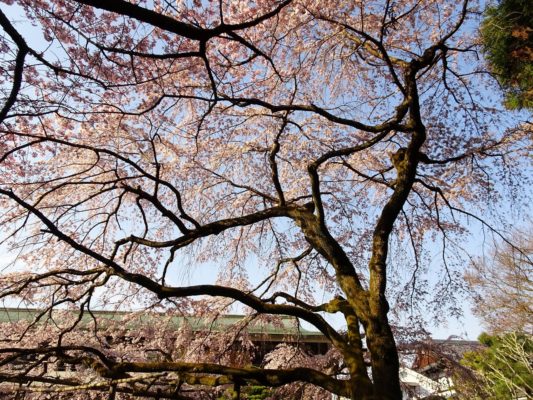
(279,326)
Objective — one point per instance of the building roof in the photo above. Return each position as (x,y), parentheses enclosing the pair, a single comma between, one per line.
(274,328)
(438,354)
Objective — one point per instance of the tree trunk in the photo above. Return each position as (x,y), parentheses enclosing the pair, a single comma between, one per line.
(384,360)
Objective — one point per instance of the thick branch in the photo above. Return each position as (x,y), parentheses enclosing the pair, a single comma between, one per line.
(19,64)
(269,377)
(172,25)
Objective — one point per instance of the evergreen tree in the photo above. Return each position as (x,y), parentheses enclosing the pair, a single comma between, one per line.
(507,36)
(504,368)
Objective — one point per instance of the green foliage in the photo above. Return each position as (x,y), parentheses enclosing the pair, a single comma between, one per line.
(248,393)
(258,392)
(507,35)
(504,368)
